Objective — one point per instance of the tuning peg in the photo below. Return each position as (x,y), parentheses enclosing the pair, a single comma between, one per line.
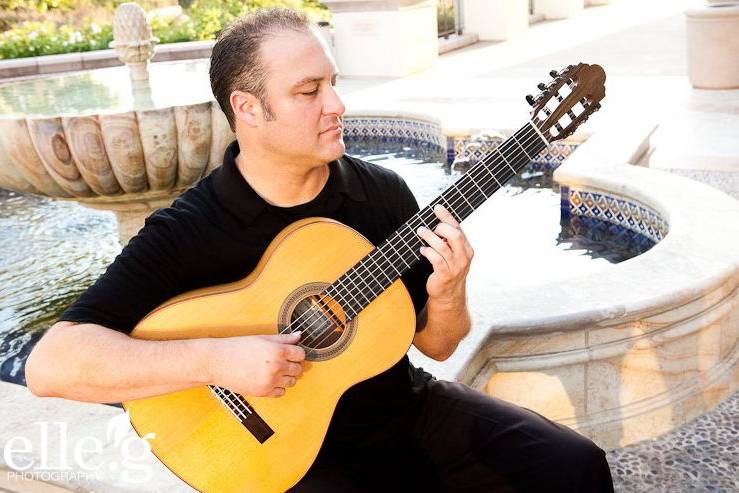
(530,99)
(596,107)
(541,86)
(553,73)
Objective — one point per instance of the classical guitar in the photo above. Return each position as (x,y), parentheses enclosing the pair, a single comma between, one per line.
(357,319)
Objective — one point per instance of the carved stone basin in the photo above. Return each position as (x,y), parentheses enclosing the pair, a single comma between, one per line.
(96,138)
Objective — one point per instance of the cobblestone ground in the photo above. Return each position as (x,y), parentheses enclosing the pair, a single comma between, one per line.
(700,456)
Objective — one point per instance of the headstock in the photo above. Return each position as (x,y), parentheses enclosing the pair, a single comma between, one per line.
(568,100)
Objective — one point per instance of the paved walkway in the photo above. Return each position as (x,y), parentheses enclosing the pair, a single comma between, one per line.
(699,456)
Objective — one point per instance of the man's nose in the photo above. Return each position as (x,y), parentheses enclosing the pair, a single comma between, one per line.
(333,103)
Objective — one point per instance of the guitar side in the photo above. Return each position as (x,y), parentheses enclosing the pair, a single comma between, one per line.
(197,437)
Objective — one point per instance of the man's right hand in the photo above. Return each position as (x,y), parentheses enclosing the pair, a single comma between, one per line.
(262,365)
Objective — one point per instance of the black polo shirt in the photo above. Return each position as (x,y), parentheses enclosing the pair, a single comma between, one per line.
(216,232)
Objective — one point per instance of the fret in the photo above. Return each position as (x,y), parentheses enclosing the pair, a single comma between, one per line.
(410,248)
(419,216)
(353,285)
(522,147)
(351,312)
(362,277)
(396,251)
(344,291)
(521,156)
(462,194)
(379,249)
(459,205)
(509,164)
(382,270)
(493,175)
(349,302)
(345,297)
(478,187)
(546,142)
(449,208)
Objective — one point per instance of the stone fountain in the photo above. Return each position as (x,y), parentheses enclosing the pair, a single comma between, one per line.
(126,144)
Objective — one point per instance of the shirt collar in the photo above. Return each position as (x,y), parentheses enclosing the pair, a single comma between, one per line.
(234,192)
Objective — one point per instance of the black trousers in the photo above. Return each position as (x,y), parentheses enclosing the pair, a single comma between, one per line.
(465,441)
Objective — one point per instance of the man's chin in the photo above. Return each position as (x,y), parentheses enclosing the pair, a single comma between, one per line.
(335,151)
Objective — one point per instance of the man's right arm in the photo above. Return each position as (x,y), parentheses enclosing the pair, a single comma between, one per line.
(89,362)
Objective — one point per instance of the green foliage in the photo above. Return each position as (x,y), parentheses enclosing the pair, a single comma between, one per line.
(38,5)
(46,38)
(445,17)
(203,20)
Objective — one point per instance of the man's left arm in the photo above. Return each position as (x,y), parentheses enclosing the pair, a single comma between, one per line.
(445,320)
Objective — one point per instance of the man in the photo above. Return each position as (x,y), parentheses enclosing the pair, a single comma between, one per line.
(274,78)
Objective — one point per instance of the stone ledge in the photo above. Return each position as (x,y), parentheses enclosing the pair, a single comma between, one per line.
(456,41)
(71,62)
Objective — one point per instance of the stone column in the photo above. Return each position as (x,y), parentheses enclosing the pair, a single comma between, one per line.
(384,38)
(713,46)
(558,9)
(496,20)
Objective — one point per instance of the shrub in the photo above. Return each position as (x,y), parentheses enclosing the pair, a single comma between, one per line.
(204,19)
(46,38)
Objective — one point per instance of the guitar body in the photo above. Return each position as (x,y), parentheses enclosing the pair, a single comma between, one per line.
(197,437)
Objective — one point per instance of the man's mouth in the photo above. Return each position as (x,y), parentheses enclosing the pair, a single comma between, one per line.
(332,128)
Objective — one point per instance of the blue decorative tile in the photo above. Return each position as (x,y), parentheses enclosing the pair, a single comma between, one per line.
(395,130)
(626,214)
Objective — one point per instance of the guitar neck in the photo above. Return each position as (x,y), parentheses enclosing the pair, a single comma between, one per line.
(369,277)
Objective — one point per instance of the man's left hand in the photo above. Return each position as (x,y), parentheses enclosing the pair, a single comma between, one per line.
(450,255)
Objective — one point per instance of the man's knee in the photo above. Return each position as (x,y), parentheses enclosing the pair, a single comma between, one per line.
(586,465)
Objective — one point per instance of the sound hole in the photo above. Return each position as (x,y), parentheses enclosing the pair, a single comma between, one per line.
(320,319)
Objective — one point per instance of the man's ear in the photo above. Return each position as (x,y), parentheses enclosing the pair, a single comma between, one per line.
(246,108)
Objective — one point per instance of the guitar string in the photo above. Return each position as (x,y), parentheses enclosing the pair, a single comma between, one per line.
(406,226)
(532,137)
(490,159)
(402,237)
(226,400)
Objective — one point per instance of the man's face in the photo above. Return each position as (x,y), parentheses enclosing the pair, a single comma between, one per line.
(306,127)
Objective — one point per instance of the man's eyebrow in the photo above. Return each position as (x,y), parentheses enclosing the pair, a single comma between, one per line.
(308,80)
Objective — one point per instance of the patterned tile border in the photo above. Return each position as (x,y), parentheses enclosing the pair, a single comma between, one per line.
(614,209)
(474,148)
(394,129)
(600,230)
(429,135)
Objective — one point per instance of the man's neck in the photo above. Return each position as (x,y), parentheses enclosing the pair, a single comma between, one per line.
(283,184)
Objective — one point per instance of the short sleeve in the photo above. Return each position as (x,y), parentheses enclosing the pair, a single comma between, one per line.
(415,278)
(145,274)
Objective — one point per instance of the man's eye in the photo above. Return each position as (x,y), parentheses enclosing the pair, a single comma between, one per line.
(312,93)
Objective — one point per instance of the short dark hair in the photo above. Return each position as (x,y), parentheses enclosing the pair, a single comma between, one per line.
(235,62)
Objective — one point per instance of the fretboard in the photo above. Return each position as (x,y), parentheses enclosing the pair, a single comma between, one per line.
(369,277)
